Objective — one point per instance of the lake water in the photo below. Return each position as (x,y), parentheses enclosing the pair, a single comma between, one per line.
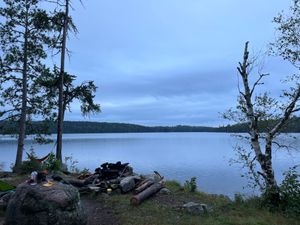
(177,156)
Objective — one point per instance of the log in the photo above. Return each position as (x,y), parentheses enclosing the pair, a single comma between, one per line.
(75,182)
(139,198)
(143,186)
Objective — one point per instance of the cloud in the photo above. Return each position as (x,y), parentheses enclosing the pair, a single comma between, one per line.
(170,62)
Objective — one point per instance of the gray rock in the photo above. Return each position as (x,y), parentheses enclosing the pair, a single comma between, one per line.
(205,208)
(164,191)
(153,177)
(128,183)
(4,199)
(38,205)
(195,208)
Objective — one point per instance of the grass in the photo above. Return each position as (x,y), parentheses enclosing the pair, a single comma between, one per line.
(5,186)
(166,210)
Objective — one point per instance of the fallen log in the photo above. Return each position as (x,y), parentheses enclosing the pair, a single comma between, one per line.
(143,186)
(139,198)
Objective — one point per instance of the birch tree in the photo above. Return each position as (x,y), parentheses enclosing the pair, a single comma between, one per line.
(255,108)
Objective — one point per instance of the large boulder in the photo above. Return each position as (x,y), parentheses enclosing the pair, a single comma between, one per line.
(128,183)
(37,205)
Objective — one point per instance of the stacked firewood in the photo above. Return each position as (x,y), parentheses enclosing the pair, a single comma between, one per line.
(147,188)
(118,178)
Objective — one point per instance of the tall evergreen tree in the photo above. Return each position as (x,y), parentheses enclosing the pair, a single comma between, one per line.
(23,35)
(62,47)
(67,92)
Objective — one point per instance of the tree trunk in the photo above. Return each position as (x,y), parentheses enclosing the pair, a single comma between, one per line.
(272,189)
(61,86)
(22,121)
(264,159)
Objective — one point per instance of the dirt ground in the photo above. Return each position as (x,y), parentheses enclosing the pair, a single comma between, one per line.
(99,214)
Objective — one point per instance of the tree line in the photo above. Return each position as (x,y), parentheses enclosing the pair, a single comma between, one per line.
(11,128)
(31,33)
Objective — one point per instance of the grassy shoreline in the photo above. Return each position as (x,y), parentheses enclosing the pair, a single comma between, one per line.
(166,209)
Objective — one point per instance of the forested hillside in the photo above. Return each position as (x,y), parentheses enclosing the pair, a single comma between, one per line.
(104,127)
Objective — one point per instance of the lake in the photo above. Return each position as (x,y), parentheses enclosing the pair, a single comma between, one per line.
(177,156)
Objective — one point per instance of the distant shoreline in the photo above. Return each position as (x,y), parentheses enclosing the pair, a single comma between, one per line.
(75,127)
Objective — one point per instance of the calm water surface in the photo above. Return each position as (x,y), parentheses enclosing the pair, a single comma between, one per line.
(177,156)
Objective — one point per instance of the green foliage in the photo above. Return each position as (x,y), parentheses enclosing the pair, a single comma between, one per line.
(288,36)
(173,185)
(84,92)
(51,163)
(190,185)
(290,192)
(27,167)
(239,198)
(24,31)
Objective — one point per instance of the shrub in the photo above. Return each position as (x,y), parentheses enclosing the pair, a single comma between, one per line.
(190,185)
(27,167)
(290,192)
(51,163)
(239,198)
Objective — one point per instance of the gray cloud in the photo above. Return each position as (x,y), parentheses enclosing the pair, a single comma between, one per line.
(170,62)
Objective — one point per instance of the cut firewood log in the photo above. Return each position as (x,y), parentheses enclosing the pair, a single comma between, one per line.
(75,182)
(139,198)
(143,186)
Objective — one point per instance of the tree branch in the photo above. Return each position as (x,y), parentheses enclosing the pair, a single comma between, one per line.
(258,82)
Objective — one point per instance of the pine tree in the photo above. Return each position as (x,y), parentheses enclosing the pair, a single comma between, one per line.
(23,37)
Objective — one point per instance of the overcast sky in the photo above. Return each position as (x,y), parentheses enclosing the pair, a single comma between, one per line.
(169,62)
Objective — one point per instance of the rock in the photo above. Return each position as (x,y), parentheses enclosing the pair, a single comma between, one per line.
(164,191)
(37,205)
(128,183)
(153,177)
(195,208)
(4,199)
(205,208)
